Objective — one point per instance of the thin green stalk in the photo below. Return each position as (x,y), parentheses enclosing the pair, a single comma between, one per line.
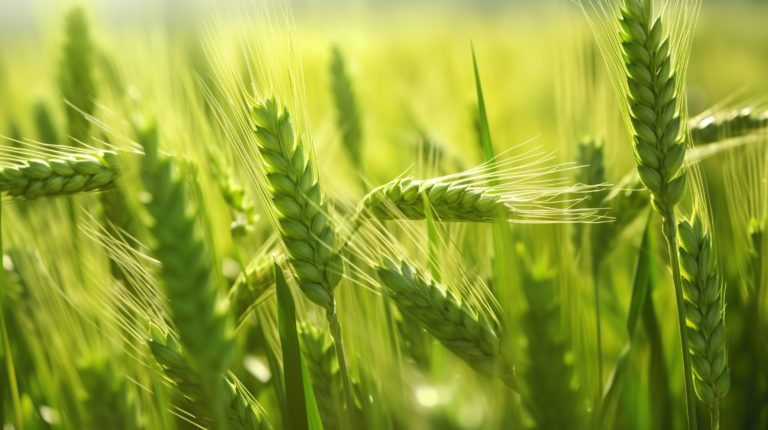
(599,340)
(669,229)
(335,329)
(10,368)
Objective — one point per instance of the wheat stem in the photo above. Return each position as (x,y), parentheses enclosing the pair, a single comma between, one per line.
(335,330)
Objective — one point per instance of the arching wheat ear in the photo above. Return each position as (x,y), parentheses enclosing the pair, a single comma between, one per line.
(524,188)
(59,175)
(460,329)
(705,310)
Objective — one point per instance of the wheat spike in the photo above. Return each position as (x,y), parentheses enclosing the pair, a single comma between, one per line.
(705,312)
(60,175)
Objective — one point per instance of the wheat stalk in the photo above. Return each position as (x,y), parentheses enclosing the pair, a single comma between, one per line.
(465,332)
(659,143)
(73,174)
(197,309)
(705,310)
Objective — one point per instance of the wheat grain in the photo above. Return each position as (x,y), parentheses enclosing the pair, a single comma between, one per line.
(60,175)
(705,310)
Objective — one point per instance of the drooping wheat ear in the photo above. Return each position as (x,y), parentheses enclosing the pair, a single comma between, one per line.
(466,333)
(299,203)
(552,397)
(198,311)
(524,188)
(60,175)
(253,286)
(107,397)
(724,125)
(705,312)
(76,81)
(242,411)
(401,199)
(347,112)
(658,141)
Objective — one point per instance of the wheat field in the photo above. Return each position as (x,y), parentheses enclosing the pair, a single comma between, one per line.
(294,214)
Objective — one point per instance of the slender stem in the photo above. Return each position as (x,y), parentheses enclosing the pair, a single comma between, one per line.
(714,416)
(10,368)
(669,228)
(596,286)
(335,328)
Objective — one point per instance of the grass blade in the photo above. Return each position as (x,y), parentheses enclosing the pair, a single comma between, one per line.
(295,414)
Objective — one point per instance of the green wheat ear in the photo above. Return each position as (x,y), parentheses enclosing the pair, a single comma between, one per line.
(242,411)
(347,112)
(299,203)
(198,311)
(705,312)
(60,175)
(465,332)
(76,75)
(658,141)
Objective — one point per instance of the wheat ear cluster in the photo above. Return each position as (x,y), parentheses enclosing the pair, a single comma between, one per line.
(300,208)
(197,310)
(242,411)
(705,311)
(347,112)
(658,142)
(465,332)
(60,175)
